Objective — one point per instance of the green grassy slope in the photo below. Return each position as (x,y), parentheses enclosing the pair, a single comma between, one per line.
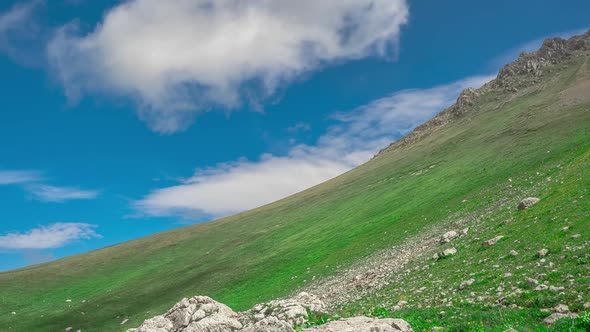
(270,251)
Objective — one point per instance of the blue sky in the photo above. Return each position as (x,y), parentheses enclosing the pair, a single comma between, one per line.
(122,119)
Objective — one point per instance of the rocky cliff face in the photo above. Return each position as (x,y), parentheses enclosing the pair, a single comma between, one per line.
(523,72)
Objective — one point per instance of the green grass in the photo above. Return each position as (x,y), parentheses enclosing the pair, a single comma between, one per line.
(271,251)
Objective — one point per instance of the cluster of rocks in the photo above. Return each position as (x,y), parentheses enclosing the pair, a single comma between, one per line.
(529,66)
(203,314)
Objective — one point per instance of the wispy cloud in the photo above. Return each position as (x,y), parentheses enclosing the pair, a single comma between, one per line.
(47,193)
(299,126)
(48,237)
(18,177)
(176,58)
(357,135)
(21,36)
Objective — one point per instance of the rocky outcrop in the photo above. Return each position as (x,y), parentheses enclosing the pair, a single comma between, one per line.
(197,314)
(363,324)
(533,65)
(292,310)
(203,314)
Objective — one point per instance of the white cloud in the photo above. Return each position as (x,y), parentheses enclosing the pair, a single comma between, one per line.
(179,57)
(18,177)
(46,237)
(21,37)
(354,139)
(47,193)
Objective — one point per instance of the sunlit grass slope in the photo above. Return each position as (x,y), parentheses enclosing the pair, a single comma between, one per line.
(273,250)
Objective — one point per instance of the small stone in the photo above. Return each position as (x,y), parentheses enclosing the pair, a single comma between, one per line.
(68,329)
(541,287)
(466,283)
(575,236)
(587,305)
(448,236)
(513,253)
(562,308)
(557,316)
(528,203)
(531,282)
(493,241)
(13,313)
(68,300)
(542,253)
(124,321)
(449,252)
(507,275)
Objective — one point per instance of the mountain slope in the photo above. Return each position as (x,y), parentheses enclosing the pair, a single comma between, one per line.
(533,117)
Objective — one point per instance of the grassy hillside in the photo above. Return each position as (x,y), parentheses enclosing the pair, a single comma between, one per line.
(255,256)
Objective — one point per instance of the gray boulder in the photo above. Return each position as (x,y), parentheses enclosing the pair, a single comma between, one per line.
(197,314)
(528,202)
(448,237)
(491,242)
(363,324)
(292,310)
(269,324)
(557,316)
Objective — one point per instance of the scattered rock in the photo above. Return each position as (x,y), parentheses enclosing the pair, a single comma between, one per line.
(269,324)
(556,289)
(363,324)
(466,283)
(532,282)
(448,252)
(528,202)
(448,237)
(557,316)
(561,308)
(491,242)
(507,275)
(513,253)
(541,287)
(575,236)
(68,329)
(542,253)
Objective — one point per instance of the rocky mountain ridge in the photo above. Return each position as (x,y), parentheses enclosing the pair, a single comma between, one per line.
(522,73)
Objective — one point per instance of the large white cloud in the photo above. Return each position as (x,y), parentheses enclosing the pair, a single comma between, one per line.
(47,237)
(354,139)
(178,57)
